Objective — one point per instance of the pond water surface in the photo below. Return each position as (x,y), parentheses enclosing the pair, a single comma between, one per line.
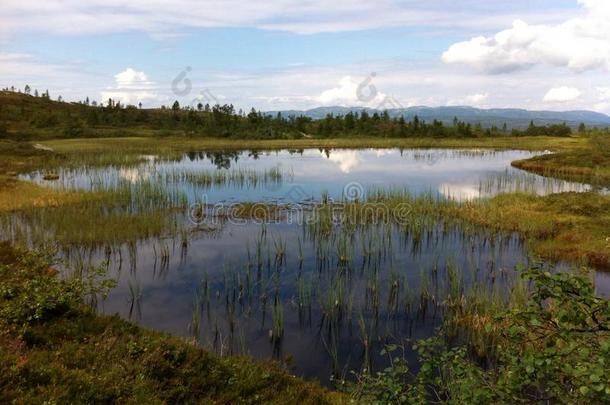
(324,303)
(460,174)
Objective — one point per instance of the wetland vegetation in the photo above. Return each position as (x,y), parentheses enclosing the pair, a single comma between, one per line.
(404,272)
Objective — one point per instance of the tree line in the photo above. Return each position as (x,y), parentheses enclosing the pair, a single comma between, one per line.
(81,118)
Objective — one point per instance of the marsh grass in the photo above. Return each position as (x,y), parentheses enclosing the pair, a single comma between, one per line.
(128,213)
(243,178)
(511,182)
(352,255)
(149,199)
(277,330)
(340,283)
(346,255)
(567,226)
(124,209)
(348,274)
(135,299)
(16,195)
(590,164)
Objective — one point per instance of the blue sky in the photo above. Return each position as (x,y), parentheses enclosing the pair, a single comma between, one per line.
(285,54)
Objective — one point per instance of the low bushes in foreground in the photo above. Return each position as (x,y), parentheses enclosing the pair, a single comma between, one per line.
(553,349)
(55,349)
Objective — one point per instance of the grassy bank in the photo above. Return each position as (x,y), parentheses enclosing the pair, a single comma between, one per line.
(55,349)
(569,226)
(18,157)
(17,195)
(181,144)
(590,165)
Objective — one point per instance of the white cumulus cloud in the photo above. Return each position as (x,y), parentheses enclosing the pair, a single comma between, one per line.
(130,78)
(132,87)
(579,44)
(351,92)
(562,94)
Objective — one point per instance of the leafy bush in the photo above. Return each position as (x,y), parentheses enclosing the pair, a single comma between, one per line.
(556,349)
(31,292)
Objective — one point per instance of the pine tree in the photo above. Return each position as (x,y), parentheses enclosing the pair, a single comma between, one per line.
(582,128)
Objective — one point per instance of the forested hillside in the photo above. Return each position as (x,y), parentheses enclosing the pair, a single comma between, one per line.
(26,116)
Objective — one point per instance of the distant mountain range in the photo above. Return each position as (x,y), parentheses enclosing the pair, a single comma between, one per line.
(514,118)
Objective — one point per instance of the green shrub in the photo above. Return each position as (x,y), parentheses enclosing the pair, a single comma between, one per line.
(31,292)
(556,349)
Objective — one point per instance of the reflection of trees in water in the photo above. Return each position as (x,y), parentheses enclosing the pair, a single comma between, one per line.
(222,159)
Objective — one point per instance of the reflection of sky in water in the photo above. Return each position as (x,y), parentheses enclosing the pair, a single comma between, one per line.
(167,294)
(459,174)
